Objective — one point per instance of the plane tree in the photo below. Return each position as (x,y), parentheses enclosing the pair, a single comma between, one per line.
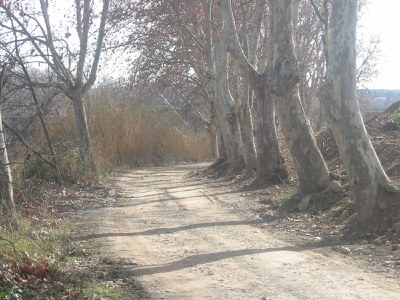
(377,199)
(280,78)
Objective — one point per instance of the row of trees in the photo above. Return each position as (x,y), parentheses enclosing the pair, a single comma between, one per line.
(259,62)
(253,63)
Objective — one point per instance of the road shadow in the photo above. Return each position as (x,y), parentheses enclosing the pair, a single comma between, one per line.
(168,230)
(201,259)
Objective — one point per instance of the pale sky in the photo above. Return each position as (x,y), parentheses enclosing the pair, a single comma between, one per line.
(382,19)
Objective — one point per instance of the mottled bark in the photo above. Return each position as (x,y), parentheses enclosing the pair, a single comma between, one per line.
(225,153)
(212,131)
(82,128)
(250,44)
(270,167)
(221,147)
(311,168)
(6,175)
(376,199)
(225,108)
(247,131)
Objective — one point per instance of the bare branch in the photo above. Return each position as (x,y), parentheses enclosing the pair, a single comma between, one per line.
(93,73)
(318,13)
(232,44)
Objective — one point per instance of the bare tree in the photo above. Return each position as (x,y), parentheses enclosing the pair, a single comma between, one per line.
(75,74)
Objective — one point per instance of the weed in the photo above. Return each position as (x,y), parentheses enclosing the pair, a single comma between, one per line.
(7,293)
(104,290)
(289,203)
(396,115)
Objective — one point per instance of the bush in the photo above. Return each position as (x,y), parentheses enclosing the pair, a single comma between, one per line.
(396,115)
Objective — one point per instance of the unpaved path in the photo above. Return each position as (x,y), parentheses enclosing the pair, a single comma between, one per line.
(187,246)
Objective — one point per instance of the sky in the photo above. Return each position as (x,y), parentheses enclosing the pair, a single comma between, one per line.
(382,19)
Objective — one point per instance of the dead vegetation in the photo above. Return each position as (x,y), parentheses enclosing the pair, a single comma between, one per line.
(37,258)
(137,135)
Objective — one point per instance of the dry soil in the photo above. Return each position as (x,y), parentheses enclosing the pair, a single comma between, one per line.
(186,245)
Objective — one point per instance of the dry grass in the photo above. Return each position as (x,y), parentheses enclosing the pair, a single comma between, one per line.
(123,135)
(131,136)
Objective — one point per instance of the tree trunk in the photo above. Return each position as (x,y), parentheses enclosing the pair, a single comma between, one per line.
(225,109)
(6,170)
(244,111)
(269,159)
(211,83)
(311,168)
(85,145)
(247,132)
(270,163)
(377,201)
(6,173)
(221,147)
(212,131)
(241,95)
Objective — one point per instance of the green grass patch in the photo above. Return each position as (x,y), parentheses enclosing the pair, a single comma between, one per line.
(396,115)
(38,262)
(7,293)
(289,203)
(104,290)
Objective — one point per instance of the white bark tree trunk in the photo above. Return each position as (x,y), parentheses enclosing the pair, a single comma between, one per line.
(250,43)
(212,92)
(6,172)
(247,131)
(225,108)
(270,167)
(376,199)
(213,133)
(311,168)
(5,163)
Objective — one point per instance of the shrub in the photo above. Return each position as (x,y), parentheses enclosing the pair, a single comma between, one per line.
(396,115)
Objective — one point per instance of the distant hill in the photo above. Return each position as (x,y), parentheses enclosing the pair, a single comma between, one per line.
(377,100)
(377,93)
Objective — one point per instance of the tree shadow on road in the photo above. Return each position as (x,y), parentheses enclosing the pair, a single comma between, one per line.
(201,259)
(168,230)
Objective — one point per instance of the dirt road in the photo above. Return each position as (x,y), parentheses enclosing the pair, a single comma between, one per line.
(187,246)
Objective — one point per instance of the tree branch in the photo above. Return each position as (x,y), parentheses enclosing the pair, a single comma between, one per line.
(22,140)
(93,73)
(231,41)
